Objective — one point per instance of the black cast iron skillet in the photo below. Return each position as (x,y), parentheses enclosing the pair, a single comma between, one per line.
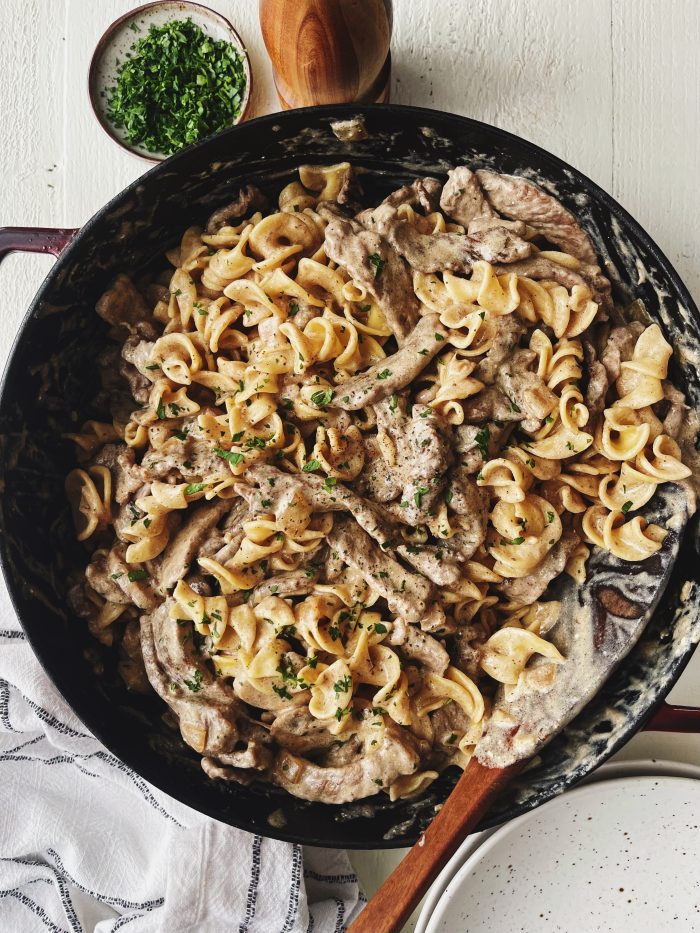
(51,378)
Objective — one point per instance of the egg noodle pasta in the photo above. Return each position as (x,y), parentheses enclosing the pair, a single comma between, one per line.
(349,451)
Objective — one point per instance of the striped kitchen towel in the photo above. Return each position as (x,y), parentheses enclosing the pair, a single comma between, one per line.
(87,845)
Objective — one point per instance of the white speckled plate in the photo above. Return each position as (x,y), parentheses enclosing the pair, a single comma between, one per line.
(619,854)
(613,769)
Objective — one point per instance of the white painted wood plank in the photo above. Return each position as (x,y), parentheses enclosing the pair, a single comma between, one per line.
(656,162)
(31,145)
(538,68)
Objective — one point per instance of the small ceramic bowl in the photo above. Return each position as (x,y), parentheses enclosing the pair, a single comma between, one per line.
(118,40)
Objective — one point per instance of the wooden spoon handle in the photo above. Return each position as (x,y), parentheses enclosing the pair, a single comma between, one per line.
(397,898)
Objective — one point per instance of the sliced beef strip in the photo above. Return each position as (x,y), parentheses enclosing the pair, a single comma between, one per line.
(471,443)
(463,199)
(598,382)
(386,278)
(439,252)
(378,481)
(519,199)
(408,594)
(127,476)
(140,592)
(124,305)
(219,772)
(362,777)
(539,267)
(510,330)
(139,385)
(247,201)
(676,412)
(490,405)
(207,710)
(301,733)
(416,645)
(619,348)
(294,583)
(471,505)
(449,724)
(396,371)
(422,191)
(183,548)
(525,389)
(101,580)
(423,454)
(138,352)
(468,499)
(527,590)
(190,459)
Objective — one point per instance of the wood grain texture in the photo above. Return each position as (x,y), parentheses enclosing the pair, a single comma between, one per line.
(398,896)
(613,86)
(327,53)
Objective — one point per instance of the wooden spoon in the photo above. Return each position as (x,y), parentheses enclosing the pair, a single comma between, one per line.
(398,897)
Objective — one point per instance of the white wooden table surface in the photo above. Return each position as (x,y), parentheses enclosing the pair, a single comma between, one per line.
(612,86)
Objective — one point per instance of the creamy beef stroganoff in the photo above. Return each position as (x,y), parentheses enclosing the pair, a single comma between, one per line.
(349,448)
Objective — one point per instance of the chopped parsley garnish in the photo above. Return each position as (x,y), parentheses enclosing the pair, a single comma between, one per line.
(153,366)
(550,517)
(115,576)
(181,435)
(423,352)
(343,685)
(341,713)
(322,397)
(626,507)
(438,337)
(549,420)
(235,438)
(175,86)
(311,466)
(418,496)
(228,455)
(380,628)
(334,632)
(160,410)
(482,438)
(384,374)
(377,263)
(293,309)
(282,692)
(394,403)
(135,575)
(449,495)
(329,483)
(513,406)
(195,685)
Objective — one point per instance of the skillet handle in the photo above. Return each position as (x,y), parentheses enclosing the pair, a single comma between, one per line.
(51,240)
(670,718)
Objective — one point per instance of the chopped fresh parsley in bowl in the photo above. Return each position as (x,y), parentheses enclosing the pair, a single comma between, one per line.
(159,83)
